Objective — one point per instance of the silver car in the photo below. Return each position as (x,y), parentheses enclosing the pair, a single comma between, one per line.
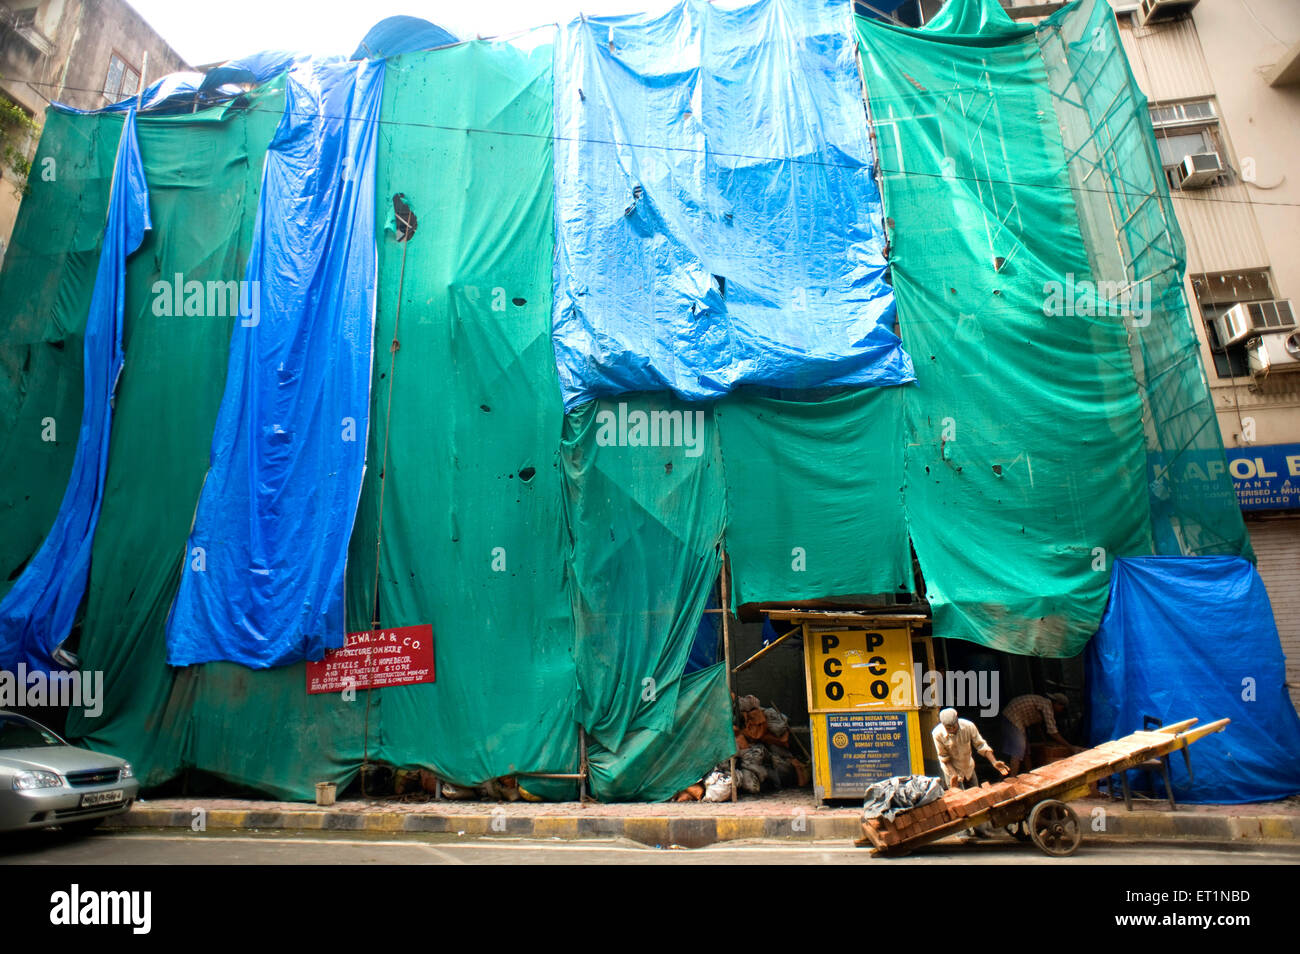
(45,781)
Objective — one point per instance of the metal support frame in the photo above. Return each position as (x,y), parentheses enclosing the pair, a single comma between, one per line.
(725,585)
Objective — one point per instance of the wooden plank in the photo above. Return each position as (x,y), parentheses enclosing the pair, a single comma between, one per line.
(846,617)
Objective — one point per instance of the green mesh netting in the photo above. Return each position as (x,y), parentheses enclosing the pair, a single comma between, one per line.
(1025,464)
(1027,430)
(1133,242)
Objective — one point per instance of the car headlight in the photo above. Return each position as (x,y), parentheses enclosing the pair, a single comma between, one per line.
(26,781)
(126,770)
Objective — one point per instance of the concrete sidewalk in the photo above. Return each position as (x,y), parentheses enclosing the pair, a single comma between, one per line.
(786,816)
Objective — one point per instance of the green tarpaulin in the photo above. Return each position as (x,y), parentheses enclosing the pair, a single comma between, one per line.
(44,298)
(472,525)
(645,528)
(1025,463)
(815,490)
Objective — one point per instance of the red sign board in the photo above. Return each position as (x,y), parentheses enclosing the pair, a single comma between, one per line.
(374,659)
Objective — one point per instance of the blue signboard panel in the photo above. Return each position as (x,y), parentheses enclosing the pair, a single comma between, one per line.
(865,747)
(1266,477)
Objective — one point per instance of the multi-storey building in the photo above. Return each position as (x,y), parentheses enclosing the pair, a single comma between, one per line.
(1223,83)
(85,53)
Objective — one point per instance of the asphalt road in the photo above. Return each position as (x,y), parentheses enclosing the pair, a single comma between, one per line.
(146,848)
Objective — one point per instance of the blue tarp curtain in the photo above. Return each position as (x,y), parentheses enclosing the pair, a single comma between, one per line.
(263,578)
(38,612)
(721,158)
(1191,637)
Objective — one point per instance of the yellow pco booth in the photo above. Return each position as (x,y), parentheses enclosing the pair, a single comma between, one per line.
(862,673)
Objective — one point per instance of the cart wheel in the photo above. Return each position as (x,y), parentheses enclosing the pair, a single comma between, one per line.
(1018,831)
(1054,827)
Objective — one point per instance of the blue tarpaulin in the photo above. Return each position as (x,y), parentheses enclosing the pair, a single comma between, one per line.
(264,566)
(1194,636)
(38,612)
(718,222)
(393,36)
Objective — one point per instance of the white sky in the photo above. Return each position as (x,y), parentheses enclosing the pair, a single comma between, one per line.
(208,32)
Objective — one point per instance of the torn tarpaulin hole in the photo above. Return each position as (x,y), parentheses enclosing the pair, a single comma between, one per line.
(637,192)
(404,217)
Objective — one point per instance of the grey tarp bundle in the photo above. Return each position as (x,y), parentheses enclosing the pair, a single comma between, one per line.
(899,794)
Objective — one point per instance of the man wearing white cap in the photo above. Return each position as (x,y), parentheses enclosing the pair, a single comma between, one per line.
(956,740)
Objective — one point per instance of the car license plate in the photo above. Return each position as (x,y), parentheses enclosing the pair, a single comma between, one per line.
(101,798)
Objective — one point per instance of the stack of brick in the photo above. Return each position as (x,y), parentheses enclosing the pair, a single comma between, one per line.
(1049,781)
(884,833)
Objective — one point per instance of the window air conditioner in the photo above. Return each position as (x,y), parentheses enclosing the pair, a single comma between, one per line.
(1198,171)
(1154,11)
(1274,354)
(1253,318)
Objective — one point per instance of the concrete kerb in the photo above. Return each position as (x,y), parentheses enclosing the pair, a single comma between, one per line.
(693,831)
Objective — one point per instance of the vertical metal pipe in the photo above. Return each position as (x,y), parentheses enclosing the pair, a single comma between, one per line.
(582,764)
(726,655)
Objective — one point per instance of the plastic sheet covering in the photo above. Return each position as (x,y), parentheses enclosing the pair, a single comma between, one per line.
(1024,454)
(204,171)
(899,794)
(38,612)
(644,503)
(814,492)
(653,765)
(393,36)
(264,570)
(256,69)
(720,158)
(1107,133)
(473,537)
(1191,637)
(981,21)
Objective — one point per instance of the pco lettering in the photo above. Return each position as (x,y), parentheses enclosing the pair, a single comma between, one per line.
(833,667)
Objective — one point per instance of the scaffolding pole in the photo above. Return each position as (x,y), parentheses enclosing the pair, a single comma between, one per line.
(725,581)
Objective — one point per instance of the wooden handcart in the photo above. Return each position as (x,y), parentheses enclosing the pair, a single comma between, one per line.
(1031,806)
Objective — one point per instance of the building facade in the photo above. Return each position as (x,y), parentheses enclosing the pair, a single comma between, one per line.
(85,53)
(1223,83)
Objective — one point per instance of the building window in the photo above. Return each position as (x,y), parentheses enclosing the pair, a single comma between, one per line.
(122,81)
(1190,129)
(1215,294)
(913,13)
